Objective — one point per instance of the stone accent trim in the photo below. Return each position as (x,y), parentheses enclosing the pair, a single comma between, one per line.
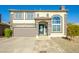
(48,26)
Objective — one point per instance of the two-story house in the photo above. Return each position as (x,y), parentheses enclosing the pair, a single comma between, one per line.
(31,23)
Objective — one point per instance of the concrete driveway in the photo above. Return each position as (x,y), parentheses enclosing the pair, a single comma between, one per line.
(28,45)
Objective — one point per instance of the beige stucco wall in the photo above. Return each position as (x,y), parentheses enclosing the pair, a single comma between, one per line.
(23,21)
(41,14)
(44,14)
(61,34)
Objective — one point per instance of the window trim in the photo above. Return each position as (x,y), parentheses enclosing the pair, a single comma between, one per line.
(21,15)
(31,13)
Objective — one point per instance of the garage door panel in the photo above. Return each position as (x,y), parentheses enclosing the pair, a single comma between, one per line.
(24,32)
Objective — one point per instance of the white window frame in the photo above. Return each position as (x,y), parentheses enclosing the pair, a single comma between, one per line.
(56,24)
(18,18)
(31,15)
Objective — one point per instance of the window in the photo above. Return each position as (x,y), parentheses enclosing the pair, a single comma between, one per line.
(29,15)
(47,15)
(12,16)
(56,23)
(19,15)
(37,15)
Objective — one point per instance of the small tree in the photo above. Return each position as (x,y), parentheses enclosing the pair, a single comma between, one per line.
(7,32)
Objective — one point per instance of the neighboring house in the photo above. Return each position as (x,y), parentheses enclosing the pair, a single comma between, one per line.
(30,23)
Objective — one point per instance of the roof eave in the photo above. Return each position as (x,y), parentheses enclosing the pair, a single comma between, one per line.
(13,10)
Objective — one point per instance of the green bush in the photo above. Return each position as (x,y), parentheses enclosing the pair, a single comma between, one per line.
(7,32)
(72,30)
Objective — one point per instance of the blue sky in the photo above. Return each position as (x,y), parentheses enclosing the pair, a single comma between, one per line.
(73,10)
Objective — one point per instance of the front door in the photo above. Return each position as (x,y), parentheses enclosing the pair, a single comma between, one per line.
(42,29)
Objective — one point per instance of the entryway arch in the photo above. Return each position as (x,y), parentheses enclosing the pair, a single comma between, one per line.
(43,28)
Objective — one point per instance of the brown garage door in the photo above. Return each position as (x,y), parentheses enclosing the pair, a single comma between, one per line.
(24,32)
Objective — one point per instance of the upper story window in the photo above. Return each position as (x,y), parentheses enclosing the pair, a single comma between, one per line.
(47,15)
(56,23)
(37,15)
(11,16)
(19,15)
(29,15)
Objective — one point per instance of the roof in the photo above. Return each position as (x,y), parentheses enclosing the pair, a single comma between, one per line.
(13,10)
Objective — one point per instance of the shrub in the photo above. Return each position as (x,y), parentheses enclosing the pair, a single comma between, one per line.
(7,32)
(72,30)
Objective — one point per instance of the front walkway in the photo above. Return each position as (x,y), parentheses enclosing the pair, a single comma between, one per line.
(29,45)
